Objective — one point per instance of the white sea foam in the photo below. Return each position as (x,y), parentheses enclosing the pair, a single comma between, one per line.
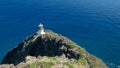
(112,65)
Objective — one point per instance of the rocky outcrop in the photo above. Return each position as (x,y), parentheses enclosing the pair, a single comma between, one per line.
(51,50)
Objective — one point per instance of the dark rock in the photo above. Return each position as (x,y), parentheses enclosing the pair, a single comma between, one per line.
(51,45)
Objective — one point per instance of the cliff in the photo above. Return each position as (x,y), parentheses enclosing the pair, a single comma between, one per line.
(51,50)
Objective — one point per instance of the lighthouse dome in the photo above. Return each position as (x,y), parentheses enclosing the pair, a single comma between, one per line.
(40,25)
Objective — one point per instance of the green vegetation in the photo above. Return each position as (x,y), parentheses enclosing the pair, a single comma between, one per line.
(52,35)
(32,65)
(52,50)
(47,64)
(82,61)
(68,64)
(71,46)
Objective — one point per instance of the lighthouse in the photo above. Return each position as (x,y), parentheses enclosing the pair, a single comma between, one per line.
(41,29)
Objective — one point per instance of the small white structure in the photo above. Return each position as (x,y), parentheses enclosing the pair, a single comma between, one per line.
(41,31)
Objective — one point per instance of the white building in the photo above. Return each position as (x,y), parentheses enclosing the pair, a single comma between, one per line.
(41,31)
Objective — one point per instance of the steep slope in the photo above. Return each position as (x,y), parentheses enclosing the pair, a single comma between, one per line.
(51,50)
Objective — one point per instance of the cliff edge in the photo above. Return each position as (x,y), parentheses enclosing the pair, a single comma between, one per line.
(51,50)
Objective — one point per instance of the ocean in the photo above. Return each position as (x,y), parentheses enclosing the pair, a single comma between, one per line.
(93,24)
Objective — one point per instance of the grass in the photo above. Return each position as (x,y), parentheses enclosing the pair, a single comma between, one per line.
(47,64)
(82,61)
(68,64)
(32,65)
(51,34)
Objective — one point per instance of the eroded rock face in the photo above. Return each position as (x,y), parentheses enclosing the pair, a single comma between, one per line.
(50,45)
(42,45)
(7,66)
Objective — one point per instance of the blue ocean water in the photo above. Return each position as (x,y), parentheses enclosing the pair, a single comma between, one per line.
(94,25)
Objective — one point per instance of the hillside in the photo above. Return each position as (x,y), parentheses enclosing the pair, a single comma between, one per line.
(51,50)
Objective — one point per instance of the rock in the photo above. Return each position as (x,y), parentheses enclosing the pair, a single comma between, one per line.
(59,66)
(51,50)
(7,66)
(21,65)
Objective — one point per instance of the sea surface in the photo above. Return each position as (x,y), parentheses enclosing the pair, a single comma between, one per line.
(93,24)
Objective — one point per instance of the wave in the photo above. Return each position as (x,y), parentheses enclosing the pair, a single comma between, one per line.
(112,65)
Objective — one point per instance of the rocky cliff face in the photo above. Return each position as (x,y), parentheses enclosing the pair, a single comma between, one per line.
(51,50)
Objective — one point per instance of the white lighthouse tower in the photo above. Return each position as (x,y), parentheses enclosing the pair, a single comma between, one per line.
(41,31)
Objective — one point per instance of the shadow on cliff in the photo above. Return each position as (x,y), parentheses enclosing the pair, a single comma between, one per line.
(42,46)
